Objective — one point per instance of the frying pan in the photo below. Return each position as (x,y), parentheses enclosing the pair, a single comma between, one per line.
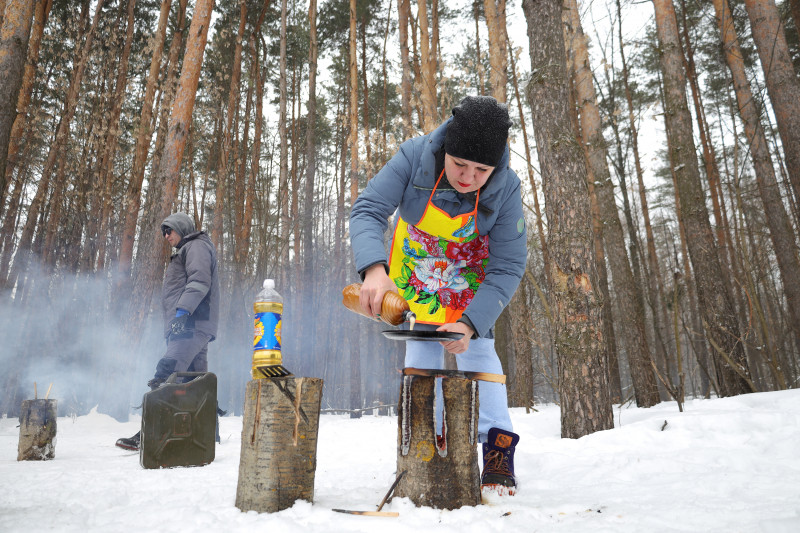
(411,335)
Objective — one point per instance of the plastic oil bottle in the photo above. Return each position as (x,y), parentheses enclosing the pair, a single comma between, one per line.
(268,309)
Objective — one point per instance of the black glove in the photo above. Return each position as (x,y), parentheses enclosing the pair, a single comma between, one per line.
(181,327)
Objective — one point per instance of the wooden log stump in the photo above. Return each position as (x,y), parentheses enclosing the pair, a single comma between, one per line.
(447,476)
(37,430)
(279,443)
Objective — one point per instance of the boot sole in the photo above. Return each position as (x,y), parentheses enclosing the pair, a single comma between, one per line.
(127,447)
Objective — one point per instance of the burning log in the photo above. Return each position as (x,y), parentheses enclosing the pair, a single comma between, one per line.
(37,430)
(279,443)
(442,472)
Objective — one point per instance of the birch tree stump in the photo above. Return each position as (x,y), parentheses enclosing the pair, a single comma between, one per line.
(444,477)
(37,430)
(279,446)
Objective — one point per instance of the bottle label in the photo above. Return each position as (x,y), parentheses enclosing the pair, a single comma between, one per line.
(267,333)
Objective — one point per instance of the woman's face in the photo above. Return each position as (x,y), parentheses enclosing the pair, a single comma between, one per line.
(464,175)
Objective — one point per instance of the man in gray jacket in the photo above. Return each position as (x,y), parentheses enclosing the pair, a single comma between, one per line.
(190,303)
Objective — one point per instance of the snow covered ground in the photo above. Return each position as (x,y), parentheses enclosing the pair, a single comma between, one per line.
(724,465)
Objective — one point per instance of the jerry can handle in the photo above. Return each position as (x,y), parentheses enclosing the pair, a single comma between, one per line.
(175,375)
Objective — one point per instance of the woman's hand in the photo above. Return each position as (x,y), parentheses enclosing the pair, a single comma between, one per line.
(376,283)
(459,345)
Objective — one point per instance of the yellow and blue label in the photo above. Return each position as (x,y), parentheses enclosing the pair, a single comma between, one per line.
(267,327)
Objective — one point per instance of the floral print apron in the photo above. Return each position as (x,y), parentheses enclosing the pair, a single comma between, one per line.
(438,264)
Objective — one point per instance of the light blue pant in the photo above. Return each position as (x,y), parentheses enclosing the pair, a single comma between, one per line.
(479,357)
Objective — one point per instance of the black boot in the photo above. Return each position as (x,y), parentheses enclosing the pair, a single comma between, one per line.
(131,443)
(498,462)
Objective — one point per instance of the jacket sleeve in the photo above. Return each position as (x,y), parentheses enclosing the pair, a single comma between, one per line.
(508,252)
(198,276)
(369,218)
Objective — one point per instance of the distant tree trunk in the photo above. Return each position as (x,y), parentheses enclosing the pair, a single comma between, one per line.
(41,15)
(427,81)
(150,259)
(365,101)
(630,322)
(495,13)
(14,34)
(144,134)
(531,178)
(782,83)
(283,171)
(576,306)
(355,348)
(780,226)
(719,318)
(476,11)
(405,83)
(311,165)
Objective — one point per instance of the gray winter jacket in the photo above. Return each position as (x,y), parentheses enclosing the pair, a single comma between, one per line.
(191,281)
(405,184)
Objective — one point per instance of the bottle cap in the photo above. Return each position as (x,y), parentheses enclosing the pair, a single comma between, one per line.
(269,283)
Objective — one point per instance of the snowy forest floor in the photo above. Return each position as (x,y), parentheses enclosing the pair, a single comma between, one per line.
(723,465)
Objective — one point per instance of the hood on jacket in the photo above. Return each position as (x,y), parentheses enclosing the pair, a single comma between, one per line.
(180,222)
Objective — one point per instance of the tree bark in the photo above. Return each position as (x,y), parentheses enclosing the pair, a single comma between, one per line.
(495,13)
(782,83)
(14,35)
(443,478)
(720,321)
(427,81)
(405,83)
(311,165)
(576,306)
(279,447)
(355,349)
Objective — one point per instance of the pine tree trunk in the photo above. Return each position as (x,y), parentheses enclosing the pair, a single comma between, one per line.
(311,167)
(495,13)
(478,57)
(355,348)
(427,81)
(782,83)
(780,227)
(14,35)
(575,303)
(630,322)
(405,83)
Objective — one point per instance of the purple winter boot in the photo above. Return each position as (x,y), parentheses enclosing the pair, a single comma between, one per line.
(498,462)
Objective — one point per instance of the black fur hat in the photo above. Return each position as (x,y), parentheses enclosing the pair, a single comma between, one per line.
(478,131)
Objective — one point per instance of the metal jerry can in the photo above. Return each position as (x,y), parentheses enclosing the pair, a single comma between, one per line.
(179,422)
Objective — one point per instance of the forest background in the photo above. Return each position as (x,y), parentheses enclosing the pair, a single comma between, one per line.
(658,145)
